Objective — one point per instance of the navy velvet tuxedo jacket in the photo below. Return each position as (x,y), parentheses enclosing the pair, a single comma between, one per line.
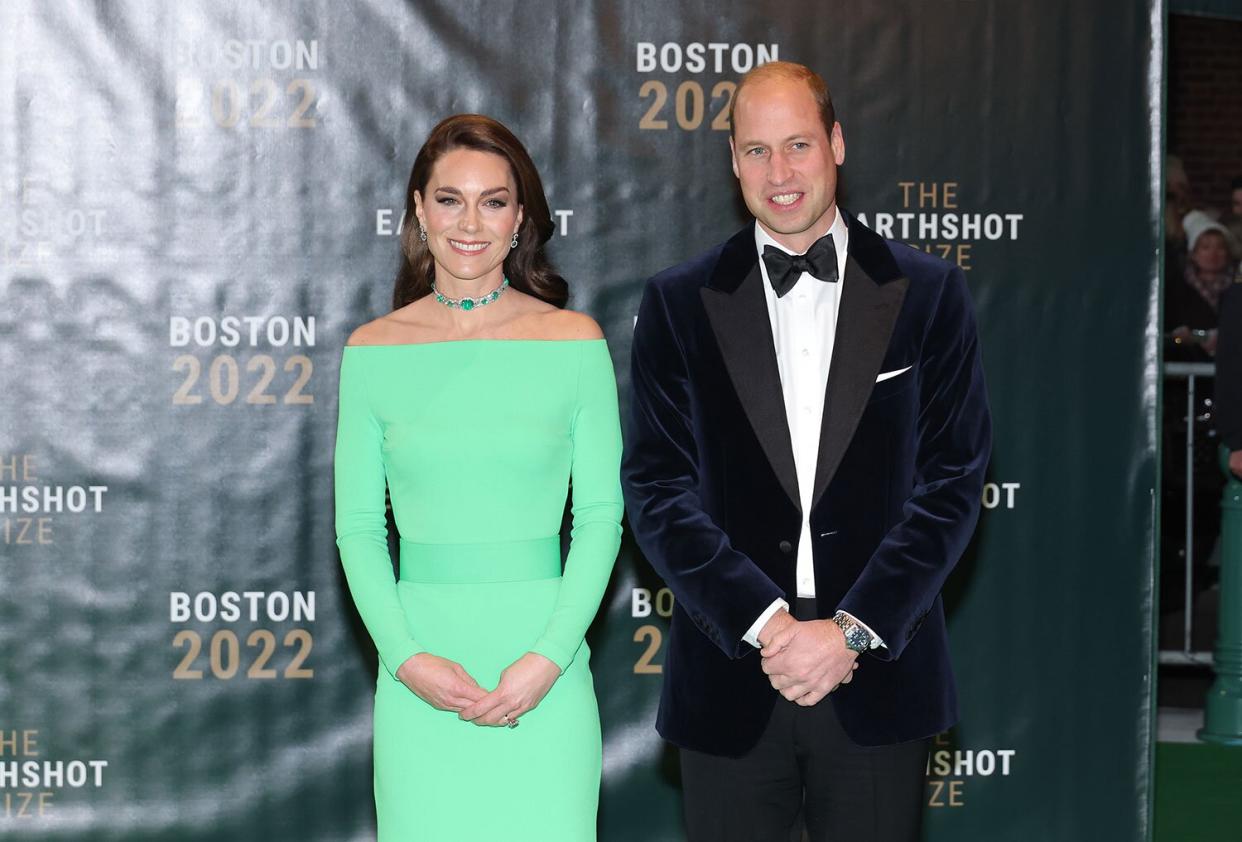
(712,494)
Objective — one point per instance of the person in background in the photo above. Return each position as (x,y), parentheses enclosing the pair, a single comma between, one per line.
(1229,374)
(1192,300)
(1176,206)
(1233,219)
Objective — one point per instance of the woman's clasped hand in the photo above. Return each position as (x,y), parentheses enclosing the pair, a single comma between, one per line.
(447,686)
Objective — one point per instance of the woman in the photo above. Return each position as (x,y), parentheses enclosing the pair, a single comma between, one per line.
(477,400)
(1192,302)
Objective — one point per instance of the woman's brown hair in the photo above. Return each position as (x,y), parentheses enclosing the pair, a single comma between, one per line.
(526,266)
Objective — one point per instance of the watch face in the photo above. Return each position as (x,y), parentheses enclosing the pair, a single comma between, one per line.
(857,639)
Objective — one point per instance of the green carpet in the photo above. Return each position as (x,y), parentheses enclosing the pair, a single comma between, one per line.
(1198,793)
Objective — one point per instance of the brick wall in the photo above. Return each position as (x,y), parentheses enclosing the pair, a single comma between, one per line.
(1205,103)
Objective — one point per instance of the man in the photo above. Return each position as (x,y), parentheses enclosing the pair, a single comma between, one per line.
(1229,374)
(804,466)
(1233,219)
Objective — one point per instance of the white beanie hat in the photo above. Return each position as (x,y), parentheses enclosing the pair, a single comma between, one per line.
(1197,223)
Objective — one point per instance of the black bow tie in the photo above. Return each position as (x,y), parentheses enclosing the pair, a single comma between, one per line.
(784,269)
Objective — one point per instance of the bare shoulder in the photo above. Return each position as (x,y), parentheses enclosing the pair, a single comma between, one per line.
(535,318)
(371,333)
(406,325)
(568,324)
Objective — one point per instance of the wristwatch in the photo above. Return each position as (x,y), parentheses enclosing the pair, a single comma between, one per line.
(856,637)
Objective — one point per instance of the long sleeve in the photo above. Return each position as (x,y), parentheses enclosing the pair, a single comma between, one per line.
(721,588)
(1229,368)
(903,577)
(595,483)
(361,523)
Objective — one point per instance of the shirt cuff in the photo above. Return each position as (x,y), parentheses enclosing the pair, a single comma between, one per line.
(876,643)
(752,633)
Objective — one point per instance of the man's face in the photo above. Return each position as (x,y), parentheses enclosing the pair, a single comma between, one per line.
(785,161)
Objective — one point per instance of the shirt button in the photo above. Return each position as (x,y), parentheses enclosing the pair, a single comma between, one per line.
(806,352)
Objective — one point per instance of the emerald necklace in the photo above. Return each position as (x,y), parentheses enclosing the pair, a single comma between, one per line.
(468,303)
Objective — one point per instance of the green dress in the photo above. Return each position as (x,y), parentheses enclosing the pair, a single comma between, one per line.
(477,442)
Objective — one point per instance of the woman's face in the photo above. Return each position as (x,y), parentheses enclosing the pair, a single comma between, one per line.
(470,211)
(1211,254)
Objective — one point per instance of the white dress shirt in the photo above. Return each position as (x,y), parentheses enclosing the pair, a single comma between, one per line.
(804,328)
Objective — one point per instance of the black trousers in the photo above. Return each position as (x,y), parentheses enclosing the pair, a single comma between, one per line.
(805,773)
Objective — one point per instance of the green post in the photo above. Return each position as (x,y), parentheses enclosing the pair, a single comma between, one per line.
(1223,716)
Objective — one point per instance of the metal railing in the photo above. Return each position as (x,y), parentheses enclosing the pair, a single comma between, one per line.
(1186,655)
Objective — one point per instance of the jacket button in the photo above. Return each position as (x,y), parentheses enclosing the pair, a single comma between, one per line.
(786,547)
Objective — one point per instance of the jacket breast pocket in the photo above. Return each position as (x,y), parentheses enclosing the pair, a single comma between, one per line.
(893,381)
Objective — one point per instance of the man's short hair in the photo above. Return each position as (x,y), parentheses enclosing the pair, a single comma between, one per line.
(793,71)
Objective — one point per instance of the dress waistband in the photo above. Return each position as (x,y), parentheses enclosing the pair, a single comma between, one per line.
(499,561)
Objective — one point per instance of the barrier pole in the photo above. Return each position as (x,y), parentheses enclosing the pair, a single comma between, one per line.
(1223,715)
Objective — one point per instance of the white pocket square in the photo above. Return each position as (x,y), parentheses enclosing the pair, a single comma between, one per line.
(885,375)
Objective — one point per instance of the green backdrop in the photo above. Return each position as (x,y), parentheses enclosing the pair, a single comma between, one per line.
(198,201)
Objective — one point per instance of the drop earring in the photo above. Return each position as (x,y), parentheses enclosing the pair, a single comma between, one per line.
(513,242)
(422,233)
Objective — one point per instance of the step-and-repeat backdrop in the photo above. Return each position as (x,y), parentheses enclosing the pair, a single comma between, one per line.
(198,202)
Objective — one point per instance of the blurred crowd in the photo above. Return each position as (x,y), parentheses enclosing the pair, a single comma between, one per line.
(1202,324)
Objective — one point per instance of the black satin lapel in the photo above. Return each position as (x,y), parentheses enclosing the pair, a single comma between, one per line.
(864,326)
(740,321)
